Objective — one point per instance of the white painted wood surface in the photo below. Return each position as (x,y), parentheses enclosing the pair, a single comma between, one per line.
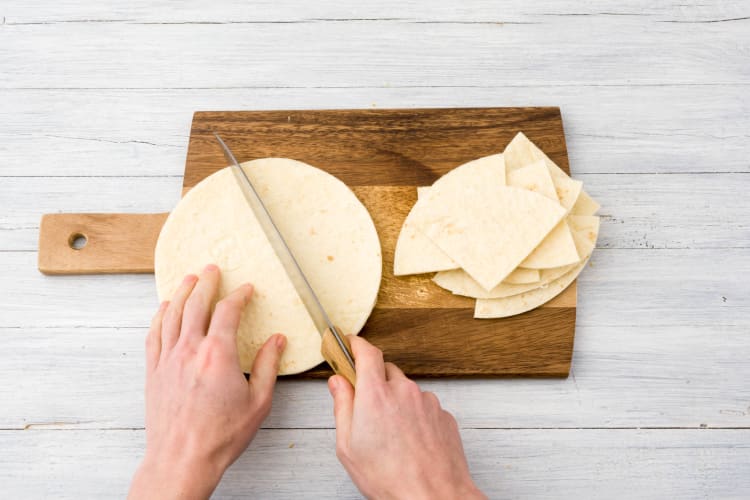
(95,107)
(518,463)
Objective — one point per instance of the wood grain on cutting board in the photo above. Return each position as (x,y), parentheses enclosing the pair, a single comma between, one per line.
(383,155)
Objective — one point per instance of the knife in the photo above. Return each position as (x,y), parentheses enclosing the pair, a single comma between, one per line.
(335,347)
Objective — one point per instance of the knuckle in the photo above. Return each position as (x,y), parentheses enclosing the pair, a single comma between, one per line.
(205,359)
(212,345)
(150,341)
(185,348)
(222,307)
(411,388)
(192,302)
(172,315)
(450,419)
(377,353)
(393,370)
(263,402)
(227,305)
(379,392)
(196,299)
(431,398)
(341,452)
(369,350)
(210,349)
(156,319)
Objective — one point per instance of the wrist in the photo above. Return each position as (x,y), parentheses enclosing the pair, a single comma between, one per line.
(175,477)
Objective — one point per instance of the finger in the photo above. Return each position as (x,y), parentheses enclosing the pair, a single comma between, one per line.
(368,361)
(450,421)
(265,368)
(431,400)
(197,312)
(226,317)
(393,372)
(343,410)
(153,338)
(170,328)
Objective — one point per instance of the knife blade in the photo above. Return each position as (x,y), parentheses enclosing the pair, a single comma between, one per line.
(334,346)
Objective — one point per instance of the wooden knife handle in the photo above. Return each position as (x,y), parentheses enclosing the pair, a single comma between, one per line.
(98,243)
(332,353)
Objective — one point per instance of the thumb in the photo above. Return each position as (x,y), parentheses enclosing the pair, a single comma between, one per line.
(343,408)
(265,367)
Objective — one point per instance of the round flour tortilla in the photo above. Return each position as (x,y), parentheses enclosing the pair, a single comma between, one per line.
(327,228)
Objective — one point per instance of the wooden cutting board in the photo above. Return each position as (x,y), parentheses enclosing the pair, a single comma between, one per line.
(383,155)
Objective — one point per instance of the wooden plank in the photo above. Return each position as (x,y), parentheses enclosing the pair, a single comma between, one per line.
(620,287)
(299,463)
(445,342)
(371,147)
(622,376)
(43,56)
(330,11)
(669,128)
(640,211)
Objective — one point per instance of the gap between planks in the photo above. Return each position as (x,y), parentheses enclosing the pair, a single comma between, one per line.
(396,86)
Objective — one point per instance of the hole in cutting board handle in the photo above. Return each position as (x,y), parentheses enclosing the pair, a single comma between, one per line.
(77,241)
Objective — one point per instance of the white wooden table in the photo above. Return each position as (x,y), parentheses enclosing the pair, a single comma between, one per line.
(95,108)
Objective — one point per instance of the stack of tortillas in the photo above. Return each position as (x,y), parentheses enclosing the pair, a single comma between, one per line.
(511,230)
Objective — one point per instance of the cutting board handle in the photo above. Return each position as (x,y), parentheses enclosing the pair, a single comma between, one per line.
(98,243)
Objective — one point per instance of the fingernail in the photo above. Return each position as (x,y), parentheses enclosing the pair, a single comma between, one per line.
(211,268)
(190,278)
(163,305)
(280,342)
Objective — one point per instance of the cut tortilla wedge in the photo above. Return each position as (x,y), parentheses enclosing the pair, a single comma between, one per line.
(585,232)
(585,205)
(517,304)
(534,177)
(415,253)
(558,248)
(521,152)
(485,228)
